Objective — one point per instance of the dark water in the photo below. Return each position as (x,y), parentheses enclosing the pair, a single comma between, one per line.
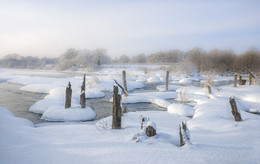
(19,102)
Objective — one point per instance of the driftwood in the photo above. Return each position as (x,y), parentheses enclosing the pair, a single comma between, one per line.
(235,80)
(125,93)
(68,96)
(251,75)
(184,133)
(234,110)
(116,122)
(124,80)
(167,81)
(241,81)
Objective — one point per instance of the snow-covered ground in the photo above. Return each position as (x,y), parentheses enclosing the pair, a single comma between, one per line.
(215,136)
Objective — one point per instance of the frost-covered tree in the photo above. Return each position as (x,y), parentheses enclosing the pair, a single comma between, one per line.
(124,59)
(141,58)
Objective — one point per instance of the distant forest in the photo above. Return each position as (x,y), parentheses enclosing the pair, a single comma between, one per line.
(215,60)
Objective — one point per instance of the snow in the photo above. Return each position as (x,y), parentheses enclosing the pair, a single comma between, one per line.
(58,113)
(162,88)
(214,135)
(181,109)
(158,98)
(154,79)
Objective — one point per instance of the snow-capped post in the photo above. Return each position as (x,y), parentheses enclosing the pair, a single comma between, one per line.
(251,75)
(234,110)
(82,95)
(184,133)
(209,88)
(116,122)
(235,80)
(68,96)
(241,81)
(167,81)
(83,83)
(124,80)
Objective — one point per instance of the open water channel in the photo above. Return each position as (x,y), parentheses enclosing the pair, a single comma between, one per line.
(19,102)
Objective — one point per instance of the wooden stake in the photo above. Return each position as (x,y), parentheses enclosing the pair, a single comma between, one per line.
(82,95)
(235,80)
(234,110)
(241,81)
(83,83)
(251,75)
(116,122)
(124,80)
(209,88)
(68,96)
(184,133)
(167,81)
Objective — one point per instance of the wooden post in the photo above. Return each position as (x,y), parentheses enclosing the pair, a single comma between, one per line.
(184,133)
(167,81)
(251,75)
(124,80)
(68,96)
(235,80)
(209,88)
(83,83)
(241,81)
(82,95)
(234,110)
(116,122)
(150,131)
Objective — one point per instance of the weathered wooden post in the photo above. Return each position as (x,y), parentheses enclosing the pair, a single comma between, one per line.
(234,110)
(124,80)
(184,133)
(116,122)
(235,80)
(167,81)
(68,96)
(209,88)
(251,75)
(82,95)
(150,131)
(241,81)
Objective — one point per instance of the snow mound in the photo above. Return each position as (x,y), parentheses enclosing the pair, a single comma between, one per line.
(58,113)
(161,88)
(186,81)
(8,119)
(154,79)
(181,109)
(94,94)
(37,88)
(157,98)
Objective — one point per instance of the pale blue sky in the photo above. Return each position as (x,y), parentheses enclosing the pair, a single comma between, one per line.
(50,27)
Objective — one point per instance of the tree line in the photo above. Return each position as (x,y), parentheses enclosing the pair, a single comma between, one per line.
(213,60)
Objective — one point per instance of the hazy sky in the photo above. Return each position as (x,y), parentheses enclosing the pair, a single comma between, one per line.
(50,27)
